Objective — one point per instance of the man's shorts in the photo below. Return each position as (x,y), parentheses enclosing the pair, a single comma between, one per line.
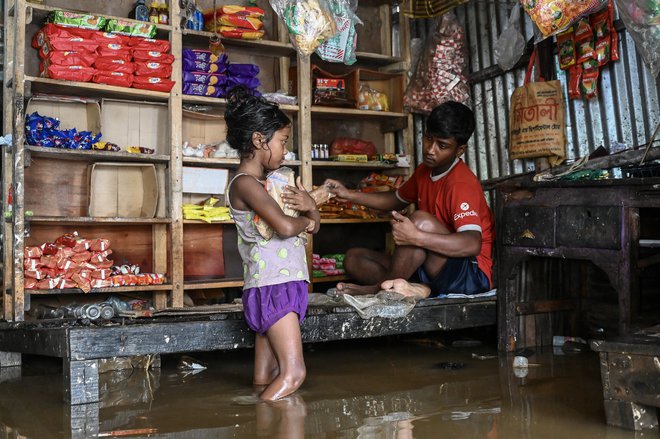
(458,276)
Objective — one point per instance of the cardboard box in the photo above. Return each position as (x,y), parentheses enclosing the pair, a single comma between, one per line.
(132,123)
(125,190)
(75,113)
(201,128)
(201,183)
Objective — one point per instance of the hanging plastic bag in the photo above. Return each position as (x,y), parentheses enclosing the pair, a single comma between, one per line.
(340,48)
(511,43)
(440,74)
(309,22)
(554,16)
(642,20)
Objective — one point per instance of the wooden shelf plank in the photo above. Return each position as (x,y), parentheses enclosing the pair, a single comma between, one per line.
(77,154)
(214,223)
(340,278)
(352,165)
(262,47)
(82,220)
(353,220)
(649,243)
(225,163)
(221,102)
(337,111)
(202,285)
(136,289)
(56,86)
(42,11)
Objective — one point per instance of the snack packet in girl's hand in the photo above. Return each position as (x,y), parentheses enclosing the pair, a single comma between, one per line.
(276,183)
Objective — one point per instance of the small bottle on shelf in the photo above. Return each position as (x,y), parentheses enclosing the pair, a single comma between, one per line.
(140,11)
(163,14)
(153,12)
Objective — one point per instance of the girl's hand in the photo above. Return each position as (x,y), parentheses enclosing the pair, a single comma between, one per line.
(297,197)
(338,189)
(310,228)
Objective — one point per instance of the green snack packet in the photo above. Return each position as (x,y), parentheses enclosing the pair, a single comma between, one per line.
(318,273)
(130,28)
(73,19)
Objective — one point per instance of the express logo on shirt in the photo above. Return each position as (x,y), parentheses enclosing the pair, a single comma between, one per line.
(465,206)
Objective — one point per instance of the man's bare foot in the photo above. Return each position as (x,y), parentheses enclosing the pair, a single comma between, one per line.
(356,290)
(408,289)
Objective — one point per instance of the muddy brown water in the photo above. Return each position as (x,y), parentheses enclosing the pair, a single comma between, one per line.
(392,388)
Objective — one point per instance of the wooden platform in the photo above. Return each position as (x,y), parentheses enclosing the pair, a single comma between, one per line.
(630,371)
(80,347)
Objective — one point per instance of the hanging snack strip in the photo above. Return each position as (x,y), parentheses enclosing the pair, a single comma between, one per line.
(586,47)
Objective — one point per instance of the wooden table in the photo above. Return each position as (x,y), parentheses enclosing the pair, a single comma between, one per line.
(630,370)
(597,221)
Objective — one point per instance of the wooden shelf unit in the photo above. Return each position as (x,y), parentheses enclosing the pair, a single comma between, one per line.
(167,231)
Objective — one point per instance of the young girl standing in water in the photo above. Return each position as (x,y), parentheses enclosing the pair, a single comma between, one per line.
(275,270)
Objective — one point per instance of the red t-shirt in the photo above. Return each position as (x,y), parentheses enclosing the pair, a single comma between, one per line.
(457,200)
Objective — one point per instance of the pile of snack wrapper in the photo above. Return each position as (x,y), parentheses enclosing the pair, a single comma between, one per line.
(72,261)
(208,74)
(46,131)
(84,48)
(327,265)
(207,211)
(374,182)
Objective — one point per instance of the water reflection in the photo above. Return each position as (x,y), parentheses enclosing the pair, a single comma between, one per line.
(358,390)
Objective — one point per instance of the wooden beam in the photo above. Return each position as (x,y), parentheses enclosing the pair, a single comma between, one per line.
(544,306)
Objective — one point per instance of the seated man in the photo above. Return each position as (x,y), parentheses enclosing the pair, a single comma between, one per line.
(445,245)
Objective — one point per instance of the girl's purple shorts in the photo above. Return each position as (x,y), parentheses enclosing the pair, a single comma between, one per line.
(263,306)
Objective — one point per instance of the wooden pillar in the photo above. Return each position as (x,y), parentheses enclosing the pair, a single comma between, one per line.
(81,381)
(82,420)
(176,164)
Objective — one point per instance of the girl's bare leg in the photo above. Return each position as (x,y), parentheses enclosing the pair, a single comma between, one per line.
(286,343)
(265,363)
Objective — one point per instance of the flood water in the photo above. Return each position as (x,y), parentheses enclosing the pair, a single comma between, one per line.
(418,386)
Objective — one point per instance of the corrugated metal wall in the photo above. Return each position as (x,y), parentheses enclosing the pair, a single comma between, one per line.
(626,110)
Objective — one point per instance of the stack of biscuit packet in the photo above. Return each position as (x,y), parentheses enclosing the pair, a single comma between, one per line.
(276,183)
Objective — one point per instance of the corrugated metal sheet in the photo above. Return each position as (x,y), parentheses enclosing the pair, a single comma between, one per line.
(627,108)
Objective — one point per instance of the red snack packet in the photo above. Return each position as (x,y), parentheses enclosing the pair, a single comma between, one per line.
(49,30)
(102,273)
(66,264)
(31,264)
(82,245)
(112,64)
(110,38)
(149,44)
(589,84)
(64,58)
(34,274)
(49,261)
(67,240)
(151,83)
(82,283)
(80,257)
(614,36)
(153,69)
(47,284)
(101,283)
(574,79)
(118,79)
(105,264)
(100,245)
(69,73)
(29,283)
(49,248)
(32,252)
(566,49)
(116,51)
(584,41)
(151,55)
